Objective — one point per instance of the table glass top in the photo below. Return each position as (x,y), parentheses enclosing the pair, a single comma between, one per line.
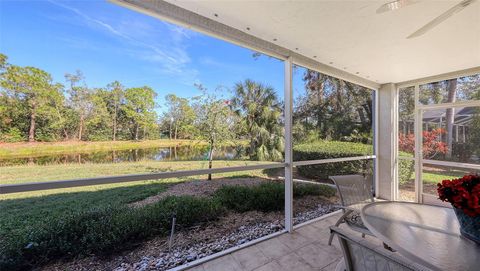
(426,234)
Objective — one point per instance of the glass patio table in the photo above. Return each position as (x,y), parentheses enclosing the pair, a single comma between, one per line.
(427,234)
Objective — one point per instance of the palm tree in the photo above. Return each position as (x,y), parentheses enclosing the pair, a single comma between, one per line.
(259,107)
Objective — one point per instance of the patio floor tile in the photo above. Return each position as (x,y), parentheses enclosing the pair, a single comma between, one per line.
(273,248)
(294,240)
(316,257)
(271,266)
(294,262)
(250,258)
(331,267)
(197,268)
(311,232)
(226,262)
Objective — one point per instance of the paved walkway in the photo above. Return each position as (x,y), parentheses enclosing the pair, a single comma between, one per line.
(303,250)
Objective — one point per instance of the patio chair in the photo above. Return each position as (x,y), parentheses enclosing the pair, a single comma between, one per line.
(355,192)
(362,255)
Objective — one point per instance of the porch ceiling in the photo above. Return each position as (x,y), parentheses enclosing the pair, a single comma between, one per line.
(350,36)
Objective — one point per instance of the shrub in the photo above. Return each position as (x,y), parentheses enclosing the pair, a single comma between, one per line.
(301,190)
(266,197)
(405,168)
(332,149)
(101,231)
(12,135)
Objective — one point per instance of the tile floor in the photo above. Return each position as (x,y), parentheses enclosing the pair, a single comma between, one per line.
(303,250)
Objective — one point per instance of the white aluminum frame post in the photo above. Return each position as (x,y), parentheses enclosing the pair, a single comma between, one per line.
(288,146)
(418,130)
(419,109)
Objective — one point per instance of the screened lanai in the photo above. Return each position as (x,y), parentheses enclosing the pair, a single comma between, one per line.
(410,72)
(400,55)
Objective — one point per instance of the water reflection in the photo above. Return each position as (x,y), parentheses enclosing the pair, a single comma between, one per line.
(174,153)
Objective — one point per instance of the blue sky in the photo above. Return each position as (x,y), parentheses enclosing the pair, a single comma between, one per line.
(108,42)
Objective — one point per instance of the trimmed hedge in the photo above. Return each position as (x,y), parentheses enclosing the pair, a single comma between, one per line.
(332,149)
(101,231)
(405,168)
(266,197)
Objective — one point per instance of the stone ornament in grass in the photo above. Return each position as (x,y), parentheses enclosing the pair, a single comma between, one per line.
(464,195)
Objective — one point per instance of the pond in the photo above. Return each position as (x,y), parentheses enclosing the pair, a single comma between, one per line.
(174,153)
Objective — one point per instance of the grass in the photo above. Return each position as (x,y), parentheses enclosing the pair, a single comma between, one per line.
(42,173)
(26,210)
(37,230)
(20,210)
(27,213)
(25,149)
(430,176)
(436,176)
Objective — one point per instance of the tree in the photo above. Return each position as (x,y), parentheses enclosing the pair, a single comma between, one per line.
(339,110)
(214,121)
(79,98)
(258,105)
(98,122)
(432,145)
(34,89)
(180,116)
(139,108)
(115,100)
(450,114)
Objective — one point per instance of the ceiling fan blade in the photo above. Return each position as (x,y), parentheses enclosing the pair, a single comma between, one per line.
(394,5)
(447,14)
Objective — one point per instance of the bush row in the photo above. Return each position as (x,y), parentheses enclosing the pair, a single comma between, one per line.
(101,231)
(266,197)
(106,230)
(332,149)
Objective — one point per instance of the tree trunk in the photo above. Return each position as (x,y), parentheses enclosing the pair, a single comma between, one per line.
(210,160)
(361,114)
(31,132)
(319,107)
(115,124)
(450,115)
(176,131)
(80,129)
(136,131)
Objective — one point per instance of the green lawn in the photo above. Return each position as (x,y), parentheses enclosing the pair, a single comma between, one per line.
(28,208)
(438,175)
(23,212)
(429,176)
(42,173)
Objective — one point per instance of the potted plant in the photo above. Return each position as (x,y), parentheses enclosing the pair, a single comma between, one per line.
(464,195)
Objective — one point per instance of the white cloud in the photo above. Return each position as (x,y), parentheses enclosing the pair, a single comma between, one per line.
(165,46)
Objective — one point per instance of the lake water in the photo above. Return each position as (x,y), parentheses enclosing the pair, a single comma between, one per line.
(177,153)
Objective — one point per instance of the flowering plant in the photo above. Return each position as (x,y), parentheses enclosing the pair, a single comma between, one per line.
(432,143)
(463,194)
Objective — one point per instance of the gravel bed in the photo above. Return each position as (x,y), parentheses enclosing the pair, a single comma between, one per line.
(183,254)
(312,214)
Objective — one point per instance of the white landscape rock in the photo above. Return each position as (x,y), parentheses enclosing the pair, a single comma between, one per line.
(242,235)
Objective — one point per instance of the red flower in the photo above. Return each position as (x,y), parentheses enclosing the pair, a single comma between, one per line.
(432,143)
(463,193)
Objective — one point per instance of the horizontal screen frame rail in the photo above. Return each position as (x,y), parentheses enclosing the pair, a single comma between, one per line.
(37,186)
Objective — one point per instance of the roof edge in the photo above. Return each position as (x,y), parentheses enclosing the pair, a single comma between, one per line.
(174,14)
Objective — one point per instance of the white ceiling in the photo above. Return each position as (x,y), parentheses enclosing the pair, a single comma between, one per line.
(349,35)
